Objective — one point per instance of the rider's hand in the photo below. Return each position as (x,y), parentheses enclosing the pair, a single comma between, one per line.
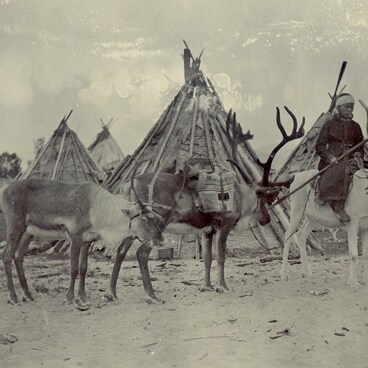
(333,161)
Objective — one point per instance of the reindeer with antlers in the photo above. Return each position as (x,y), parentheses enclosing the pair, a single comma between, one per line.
(306,215)
(174,192)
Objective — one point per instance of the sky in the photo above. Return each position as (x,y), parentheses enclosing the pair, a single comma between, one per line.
(123,59)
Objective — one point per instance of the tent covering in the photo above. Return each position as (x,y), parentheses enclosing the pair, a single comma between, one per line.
(193,126)
(105,150)
(64,158)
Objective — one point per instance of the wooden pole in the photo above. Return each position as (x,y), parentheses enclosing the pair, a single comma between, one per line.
(121,170)
(37,159)
(92,167)
(63,163)
(47,159)
(60,151)
(347,153)
(76,150)
(208,138)
(76,167)
(342,70)
(168,135)
(194,122)
(220,141)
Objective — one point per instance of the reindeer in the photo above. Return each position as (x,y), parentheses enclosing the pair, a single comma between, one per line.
(304,212)
(174,191)
(308,215)
(82,212)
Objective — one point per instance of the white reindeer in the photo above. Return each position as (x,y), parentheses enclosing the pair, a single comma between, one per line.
(306,213)
(83,212)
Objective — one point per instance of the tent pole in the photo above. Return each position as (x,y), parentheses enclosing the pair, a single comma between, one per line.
(120,172)
(208,138)
(194,122)
(60,150)
(76,167)
(79,156)
(37,159)
(174,121)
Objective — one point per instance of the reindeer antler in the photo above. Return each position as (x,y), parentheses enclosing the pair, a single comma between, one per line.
(237,136)
(295,134)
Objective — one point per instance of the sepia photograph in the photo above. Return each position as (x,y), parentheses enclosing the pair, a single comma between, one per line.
(183,184)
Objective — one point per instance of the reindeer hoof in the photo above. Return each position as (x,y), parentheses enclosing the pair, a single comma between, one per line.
(222,289)
(27,298)
(12,299)
(154,300)
(81,302)
(82,306)
(207,288)
(110,296)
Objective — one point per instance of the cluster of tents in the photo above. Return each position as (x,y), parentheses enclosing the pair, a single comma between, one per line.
(64,157)
(193,125)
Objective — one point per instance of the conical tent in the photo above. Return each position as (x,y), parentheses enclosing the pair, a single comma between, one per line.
(105,150)
(64,158)
(192,126)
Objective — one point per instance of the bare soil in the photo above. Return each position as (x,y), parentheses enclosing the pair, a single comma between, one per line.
(263,322)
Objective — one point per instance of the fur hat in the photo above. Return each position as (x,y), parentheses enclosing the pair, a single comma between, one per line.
(344,98)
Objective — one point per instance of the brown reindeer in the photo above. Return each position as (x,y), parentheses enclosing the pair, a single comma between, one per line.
(82,212)
(183,217)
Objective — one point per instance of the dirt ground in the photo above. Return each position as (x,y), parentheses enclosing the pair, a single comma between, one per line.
(263,322)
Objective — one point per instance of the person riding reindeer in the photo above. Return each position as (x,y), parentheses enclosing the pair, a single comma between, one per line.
(339,134)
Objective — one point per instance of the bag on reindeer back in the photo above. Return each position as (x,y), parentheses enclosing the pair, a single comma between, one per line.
(216,191)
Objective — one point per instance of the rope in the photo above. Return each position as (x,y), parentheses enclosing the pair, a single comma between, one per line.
(255,237)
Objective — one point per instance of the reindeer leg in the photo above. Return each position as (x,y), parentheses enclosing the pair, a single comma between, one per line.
(352,229)
(207,240)
(75,248)
(122,251)
(301,238)
(142,255)
(221,255)
(8,255)
(18,260)
(285,254)
(83,264)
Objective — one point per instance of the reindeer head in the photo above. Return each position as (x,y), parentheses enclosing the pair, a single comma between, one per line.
(266,191)
(145,226)
(151,211)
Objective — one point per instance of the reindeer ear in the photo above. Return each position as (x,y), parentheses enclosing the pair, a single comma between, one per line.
(129,212)
(186,168)
(126,212)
